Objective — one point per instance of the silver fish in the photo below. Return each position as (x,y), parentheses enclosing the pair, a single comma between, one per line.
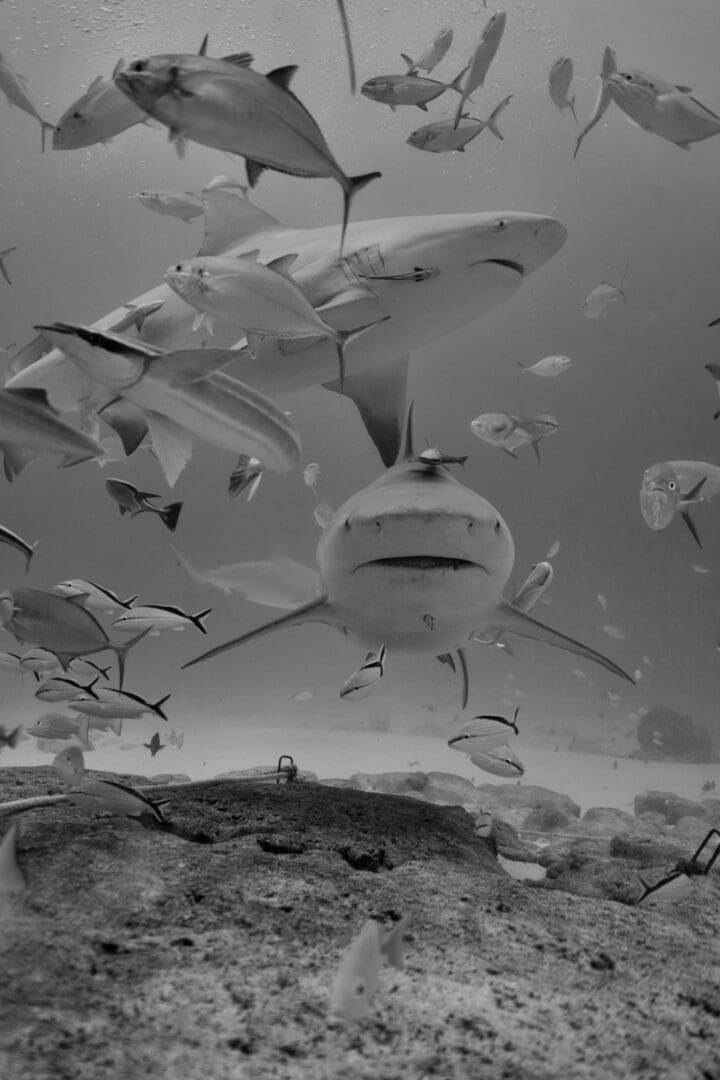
(499,761)
(678,116)
(482,58)
(97,116)
(559,80)
(363,681)
(444,135)
(396,90)
(184,205)
(603,100)
(13,87)
(548,367)
(95,597)
(432,55)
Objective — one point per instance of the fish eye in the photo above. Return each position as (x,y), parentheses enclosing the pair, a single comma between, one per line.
(178,268)
(139,65)
(347,524)
(378,526)
(502,223)
(628,77)
(77,116)
(672,485)
(497,525)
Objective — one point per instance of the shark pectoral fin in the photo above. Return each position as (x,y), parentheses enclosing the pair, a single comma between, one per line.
(171,445)
(15,459)
(229,217)
(128,422)
(356,305)
(316,611)
(515,621)
(187,366)
(379,394)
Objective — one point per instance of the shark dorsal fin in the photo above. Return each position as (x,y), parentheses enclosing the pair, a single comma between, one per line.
(230,218)
(409,449)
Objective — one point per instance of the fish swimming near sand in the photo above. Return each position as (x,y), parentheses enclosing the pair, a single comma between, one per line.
(58,726)
(230,107)
(481,260)
(498,761)
(109,703)
(418,561)
(70,766)
(109,796)
(12,880)
(10,738)
(363,681)
(154,746)
(358,974)
(484,733)
(59,625)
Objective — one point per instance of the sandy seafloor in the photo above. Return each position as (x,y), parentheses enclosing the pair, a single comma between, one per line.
(590,779)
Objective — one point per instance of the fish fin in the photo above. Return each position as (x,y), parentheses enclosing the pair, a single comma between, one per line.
(128,422)
(39,346)
(127,604)
(229,218)
(492,119)
(282,264)
(199,321)
(517,622)
(3,268)
(447,658)
(348,44)
(694,494)
(410,63)
(350,190)
(197,620)
(171,445)
(157,705)
(319,610)
(254,341)
(254,170)
(422,105)
(15,458)
(715,322)
(536,448)
(465,678)
(45,126)
(241,59)
(121,652)
(83,731)
(186,366)
(685,515)
(169,515)
(514,719)
(202,51)
(282,76)
(380,395)
(684,89)
(571,107)
(357,304)
(346,337)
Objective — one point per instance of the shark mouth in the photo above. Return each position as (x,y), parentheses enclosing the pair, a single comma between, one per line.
(509,263)
(424,562)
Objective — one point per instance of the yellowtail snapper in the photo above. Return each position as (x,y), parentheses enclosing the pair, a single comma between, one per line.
(94,597)
(152,618)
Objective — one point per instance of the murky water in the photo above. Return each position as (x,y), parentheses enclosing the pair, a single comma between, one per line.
(636,392)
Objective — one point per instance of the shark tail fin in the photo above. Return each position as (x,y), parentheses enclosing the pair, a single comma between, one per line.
(316,611)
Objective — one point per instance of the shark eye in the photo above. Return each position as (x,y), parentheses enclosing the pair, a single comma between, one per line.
(347,524)
(628,78)
(502,223)
(672,485)
(497,525)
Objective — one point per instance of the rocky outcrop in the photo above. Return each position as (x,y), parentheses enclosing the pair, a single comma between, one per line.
(672,807)
(664,733)
(136,954)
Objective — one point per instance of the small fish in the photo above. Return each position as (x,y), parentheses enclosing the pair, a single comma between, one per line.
(553,550)
(676,116)
(358,974)
(311,473)
(603,100)
(3,267)
(432,55)
(303,695)
(397,90)
(86,668)
(184,205)
(70,766)
(499,761)
(58,688)
(579,673)
(247,474)
(647,661)
(109,703)
(12,881)
(97,116)
(559,80)
(136,316)
(176,740)
(323,514)
(40,660)
(700,569)
(483,824)
(638,674)
(602,601)
(436,458)
(115,798)
(12,86)
(484,733)
(614,632)
(482,58)
(549,367)
(661,498)
(538,580)
(604,294)
(96,597)
(13,540)
(363,681)
(444,136)
(157,617)
(275,582)
(10,738)
(154,746)
(133,501)
(58,726)
(714,370)
(227,105)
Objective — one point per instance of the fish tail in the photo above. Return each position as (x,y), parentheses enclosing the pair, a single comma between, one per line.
(351,186)
(197,620)
(492,119)
(89,688)
(412,66)
(157,705)
(3,268)
(14,737)
(121,652)
(127,604)
(116,725)
(170,515)
(514,719)
(45,125)
(571,107)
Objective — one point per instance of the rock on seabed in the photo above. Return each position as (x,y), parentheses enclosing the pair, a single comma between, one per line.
(135,955)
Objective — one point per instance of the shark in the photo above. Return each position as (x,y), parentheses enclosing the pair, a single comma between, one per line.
(417,562)
(425,275)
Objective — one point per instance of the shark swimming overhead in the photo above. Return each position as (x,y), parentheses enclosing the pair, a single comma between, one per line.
(424,275)
(417,562)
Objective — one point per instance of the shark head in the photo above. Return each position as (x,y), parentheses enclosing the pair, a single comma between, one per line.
(415,560)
